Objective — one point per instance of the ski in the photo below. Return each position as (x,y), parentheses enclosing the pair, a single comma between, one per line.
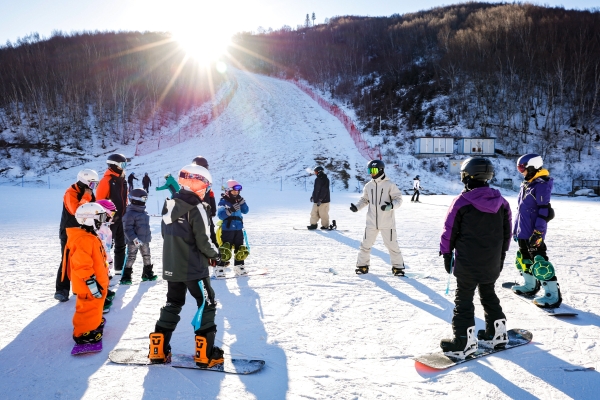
(258,271)
(230,366)
(562,311)
(516,338)
(86,348)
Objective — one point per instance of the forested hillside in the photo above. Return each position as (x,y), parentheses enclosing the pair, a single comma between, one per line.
(525,74)
(63,94)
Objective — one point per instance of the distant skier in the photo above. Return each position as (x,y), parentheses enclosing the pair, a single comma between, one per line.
(170,183)
(382,197)
(85,263)
(79,193)
(531,226)
(231,208)
(416,189)
(113,187)
(477,231)
(130,179)
(146,183)
(320,199)
(136,226)
(187,252)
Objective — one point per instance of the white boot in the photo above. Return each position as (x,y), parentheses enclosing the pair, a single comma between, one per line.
(460,347)
(240,270)
(551,297)
(219,272)
(498,339)
(530,287)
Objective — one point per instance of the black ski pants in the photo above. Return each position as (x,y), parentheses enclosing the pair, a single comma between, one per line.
(62,284)
(416,193)
(202,291)
(236,239)
(119,244)
(464,309)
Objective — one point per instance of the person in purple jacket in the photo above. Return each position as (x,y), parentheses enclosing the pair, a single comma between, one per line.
(474,243)
(533,213)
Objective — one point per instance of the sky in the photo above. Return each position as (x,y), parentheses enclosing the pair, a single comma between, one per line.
(194,17)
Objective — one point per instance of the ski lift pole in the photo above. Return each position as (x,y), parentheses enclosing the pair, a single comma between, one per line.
(22,180)
(48,181)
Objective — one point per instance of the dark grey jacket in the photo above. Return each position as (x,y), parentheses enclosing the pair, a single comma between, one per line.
(136,224)
(186,233)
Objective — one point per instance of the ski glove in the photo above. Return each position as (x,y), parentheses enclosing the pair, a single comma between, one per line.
(515,238)
(137,242)
(228,210)
(311,199)
(236,206)
(214,261)
(353,208)
(387,206)
(94,287)
(319,204)
(448,262)
(536,239)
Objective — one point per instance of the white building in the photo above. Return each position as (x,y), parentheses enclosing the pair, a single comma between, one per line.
(434,145)
(477,146)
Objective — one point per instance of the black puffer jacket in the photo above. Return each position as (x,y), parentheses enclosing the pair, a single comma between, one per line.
(320,192)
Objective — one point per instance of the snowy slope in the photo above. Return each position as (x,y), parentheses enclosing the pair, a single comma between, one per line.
(323,336)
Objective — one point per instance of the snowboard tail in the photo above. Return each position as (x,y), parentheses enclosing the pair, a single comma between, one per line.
(86,348)
(516,338)
(230,366)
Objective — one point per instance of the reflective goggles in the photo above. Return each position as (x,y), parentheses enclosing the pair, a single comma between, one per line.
(102,218)
(522,167)
(121,165)
(237,187)
(93,185)
(142,198)
(189,175)
(373,171)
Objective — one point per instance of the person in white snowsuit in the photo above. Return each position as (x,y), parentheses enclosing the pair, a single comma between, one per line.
(382,196)
(416,190)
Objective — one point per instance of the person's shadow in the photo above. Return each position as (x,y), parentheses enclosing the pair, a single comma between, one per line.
(40,357)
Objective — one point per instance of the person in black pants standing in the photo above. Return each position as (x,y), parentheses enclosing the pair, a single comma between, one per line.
(146,183)
(320,199)
(416,190)
(113,186)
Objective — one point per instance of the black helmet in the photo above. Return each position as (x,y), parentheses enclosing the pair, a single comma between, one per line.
(376,164)
(118,160)
(318,169)
(417,177)
(476,168)
(201,161)
(138,196)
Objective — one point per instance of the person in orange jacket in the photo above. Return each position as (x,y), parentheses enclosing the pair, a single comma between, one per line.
(113,186)
(85,263)
(79,193)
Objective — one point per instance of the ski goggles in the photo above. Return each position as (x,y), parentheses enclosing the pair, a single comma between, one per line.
(142,198)
(93,185)
(522,167)
(236,187)
(189,175)
(121,165)
(373,171)
(102,218)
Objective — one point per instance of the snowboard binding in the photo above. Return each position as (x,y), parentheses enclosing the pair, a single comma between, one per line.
(333,226)
(362,270)
(398,271)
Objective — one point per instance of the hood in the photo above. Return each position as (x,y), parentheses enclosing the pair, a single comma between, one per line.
(182,203)
(75,233)
(539,174)
(381,178)
(485,199)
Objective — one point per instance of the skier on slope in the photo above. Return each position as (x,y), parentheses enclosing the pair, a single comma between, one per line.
(531,226)
(416,189)
(231,207)
(477,231)
(187,252)
(79,193)
(85,264)
(146,183)
(113,187)
(130,179)
(382,197)
(320,199)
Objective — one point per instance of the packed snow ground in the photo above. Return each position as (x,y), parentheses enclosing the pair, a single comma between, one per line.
(322,335)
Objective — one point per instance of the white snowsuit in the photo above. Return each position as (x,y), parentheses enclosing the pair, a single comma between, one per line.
(375,194)
(105,235)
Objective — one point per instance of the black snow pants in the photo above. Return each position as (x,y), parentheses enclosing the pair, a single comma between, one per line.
(119,244)
(417,192)
(236,239)
(464,310)
(62,284)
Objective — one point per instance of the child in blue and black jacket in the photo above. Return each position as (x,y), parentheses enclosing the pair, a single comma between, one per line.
(231,208)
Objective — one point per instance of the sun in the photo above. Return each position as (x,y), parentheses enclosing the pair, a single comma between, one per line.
(204,47)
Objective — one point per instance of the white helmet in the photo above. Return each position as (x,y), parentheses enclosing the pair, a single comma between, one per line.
(195,178)
(88,177)
(91,214)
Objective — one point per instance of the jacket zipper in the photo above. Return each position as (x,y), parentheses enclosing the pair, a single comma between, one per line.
(375,204)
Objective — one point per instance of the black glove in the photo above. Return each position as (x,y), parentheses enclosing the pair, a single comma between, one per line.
(228,210)
(241,200)
(319,204)
(236,206)
(95,288)
(353,208)
(387,206)
(536,239)
(214,261)
(448,262)
(502,258)
(311,200)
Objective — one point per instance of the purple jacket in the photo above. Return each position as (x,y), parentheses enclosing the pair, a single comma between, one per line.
(532,206)
(477,229)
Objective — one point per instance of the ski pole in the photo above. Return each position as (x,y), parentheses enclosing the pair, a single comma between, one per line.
(450,274)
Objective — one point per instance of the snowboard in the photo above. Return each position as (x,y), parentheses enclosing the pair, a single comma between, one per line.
(258,271)
(321,230)
(230,366)
(413,275)
(86,348)
(562,311)
(516,337)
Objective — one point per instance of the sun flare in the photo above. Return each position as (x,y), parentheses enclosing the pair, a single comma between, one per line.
(203,47)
